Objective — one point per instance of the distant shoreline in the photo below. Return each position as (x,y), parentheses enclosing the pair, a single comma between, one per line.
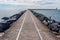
(43,9)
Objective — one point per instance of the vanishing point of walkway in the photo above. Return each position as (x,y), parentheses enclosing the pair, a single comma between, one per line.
(28,27)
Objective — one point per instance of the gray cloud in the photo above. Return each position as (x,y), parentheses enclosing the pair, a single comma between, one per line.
(37,3)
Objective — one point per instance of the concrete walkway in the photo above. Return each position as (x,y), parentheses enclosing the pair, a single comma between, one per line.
(28,27)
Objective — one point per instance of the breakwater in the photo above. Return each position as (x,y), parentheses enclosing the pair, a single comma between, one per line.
(4,25)
(52,24)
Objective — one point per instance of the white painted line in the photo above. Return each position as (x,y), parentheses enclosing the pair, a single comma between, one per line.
(21,27)
(37,28)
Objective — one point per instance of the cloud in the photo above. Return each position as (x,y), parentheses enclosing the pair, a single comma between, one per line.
(33,3)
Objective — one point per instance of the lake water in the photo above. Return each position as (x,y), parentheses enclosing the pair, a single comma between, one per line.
(8,12)
(55,14)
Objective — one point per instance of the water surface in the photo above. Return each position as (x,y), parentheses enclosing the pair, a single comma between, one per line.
(55,14)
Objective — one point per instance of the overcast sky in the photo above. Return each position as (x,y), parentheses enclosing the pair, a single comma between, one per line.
(34,3)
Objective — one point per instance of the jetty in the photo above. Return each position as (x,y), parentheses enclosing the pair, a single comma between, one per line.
(28,27)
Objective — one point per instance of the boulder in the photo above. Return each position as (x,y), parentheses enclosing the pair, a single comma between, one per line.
(5,18)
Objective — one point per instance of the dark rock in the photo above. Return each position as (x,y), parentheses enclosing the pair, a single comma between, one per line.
(5,18)
(16,16)
(54,27)
(4,26)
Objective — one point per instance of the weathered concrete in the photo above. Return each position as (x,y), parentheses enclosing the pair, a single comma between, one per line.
(28,27)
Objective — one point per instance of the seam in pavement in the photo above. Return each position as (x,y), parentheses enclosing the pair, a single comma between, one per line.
(37,28)
(21,28)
